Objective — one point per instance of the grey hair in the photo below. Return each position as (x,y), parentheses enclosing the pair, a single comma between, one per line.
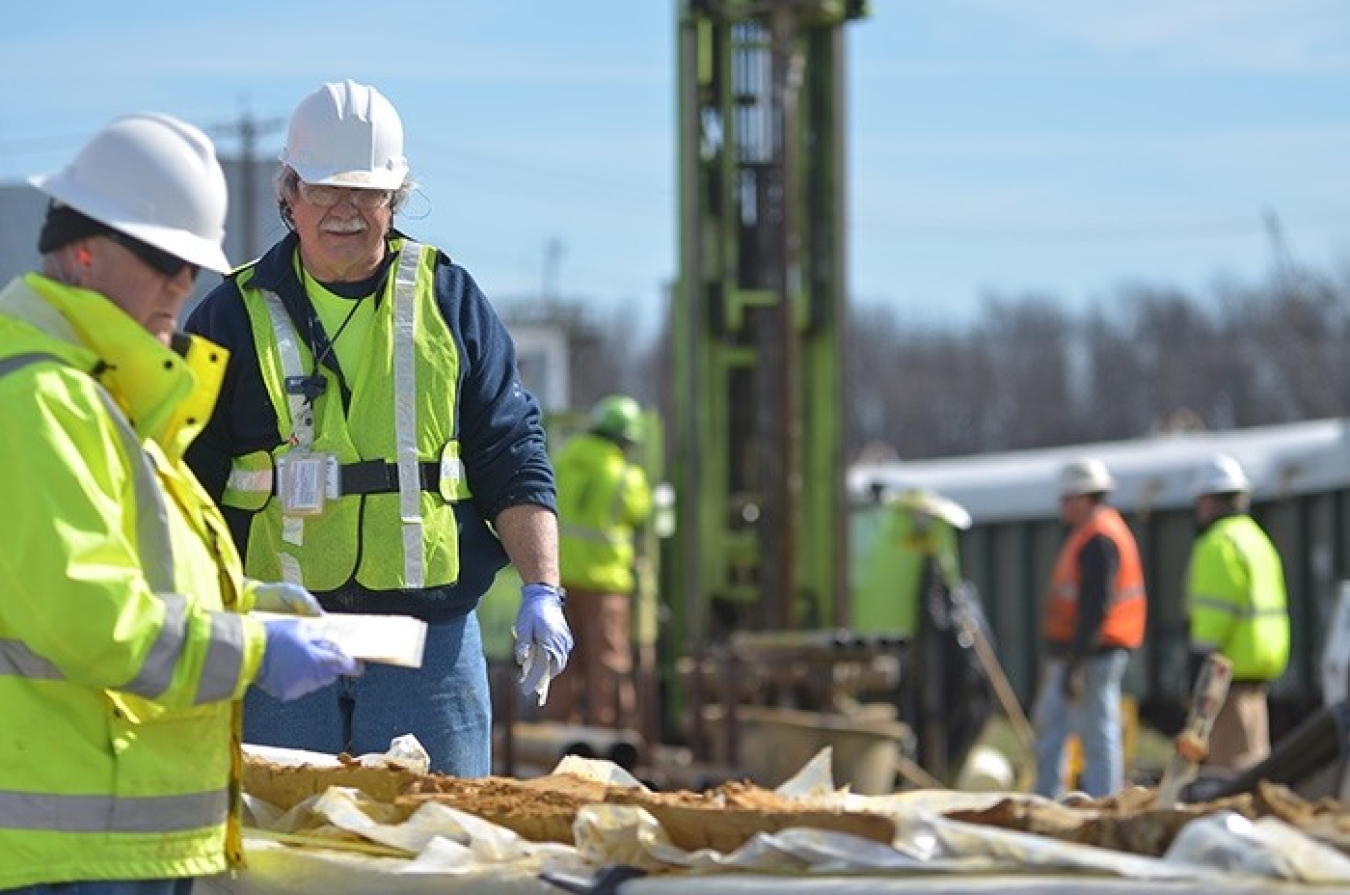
(287,183)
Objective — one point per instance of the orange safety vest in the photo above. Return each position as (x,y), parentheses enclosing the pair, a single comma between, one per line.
(1126,608)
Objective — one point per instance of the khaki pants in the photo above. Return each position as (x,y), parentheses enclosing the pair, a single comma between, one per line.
(597,687)
(1241,734)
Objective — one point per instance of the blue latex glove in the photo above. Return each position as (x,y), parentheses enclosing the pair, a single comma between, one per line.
(543,640)
(285,598)
(299,661)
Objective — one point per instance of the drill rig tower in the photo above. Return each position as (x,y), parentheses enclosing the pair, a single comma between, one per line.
(759,318)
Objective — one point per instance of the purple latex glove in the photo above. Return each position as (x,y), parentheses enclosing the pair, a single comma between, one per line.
(299,661)
(543,640)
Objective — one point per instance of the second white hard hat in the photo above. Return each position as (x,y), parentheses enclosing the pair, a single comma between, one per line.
(1087,476)
(347,134)
(152,177)
(1222,474)
(921,500)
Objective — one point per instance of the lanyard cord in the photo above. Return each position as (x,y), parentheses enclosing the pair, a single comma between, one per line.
(328,349)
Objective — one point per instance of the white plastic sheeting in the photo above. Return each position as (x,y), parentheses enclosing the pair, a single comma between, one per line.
(450,852)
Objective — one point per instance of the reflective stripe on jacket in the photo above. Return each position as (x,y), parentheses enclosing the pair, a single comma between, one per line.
(602,499)
(399,532)
(122,659)
(1127,606)
(1235,596)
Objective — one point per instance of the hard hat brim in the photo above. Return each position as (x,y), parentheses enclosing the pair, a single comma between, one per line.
(356,180)
(938,507)
(174,240)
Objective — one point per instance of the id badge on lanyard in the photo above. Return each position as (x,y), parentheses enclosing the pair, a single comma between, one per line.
(305,481)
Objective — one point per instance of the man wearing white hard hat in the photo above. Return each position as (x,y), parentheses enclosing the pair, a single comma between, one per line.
(124,647)
(1095,613)
(1236,606)
(374,445)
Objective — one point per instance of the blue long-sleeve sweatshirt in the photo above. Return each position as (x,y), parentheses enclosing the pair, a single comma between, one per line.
(499,425)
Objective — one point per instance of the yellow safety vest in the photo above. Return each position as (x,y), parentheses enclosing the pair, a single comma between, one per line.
(122,655)
(1236,598)
(392,470)
(891,570)
(602,498)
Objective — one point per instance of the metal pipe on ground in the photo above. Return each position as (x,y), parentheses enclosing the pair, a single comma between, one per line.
(543,744)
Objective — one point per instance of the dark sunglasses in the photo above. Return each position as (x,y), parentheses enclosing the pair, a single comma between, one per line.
(157,260)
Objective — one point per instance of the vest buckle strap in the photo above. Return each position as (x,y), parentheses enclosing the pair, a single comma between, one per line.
(379,477)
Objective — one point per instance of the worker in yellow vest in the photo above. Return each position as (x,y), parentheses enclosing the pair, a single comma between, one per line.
(373,443)
(124,644)
(910,585)
(1235,600)
(604,499)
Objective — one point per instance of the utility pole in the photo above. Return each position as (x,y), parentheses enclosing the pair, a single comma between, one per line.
(1286,271)
(247,130)
(553,252)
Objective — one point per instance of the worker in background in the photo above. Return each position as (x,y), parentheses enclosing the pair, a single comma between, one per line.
(916,535)
(604,499)
(124,652)
(910,585)
(1094,617)
(1235,601)
(374,443)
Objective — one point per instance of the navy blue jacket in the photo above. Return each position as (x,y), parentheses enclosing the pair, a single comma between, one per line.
(499,424)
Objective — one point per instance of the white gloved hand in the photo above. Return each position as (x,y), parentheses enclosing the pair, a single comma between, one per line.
(543,640)
(537,669)
(285,598)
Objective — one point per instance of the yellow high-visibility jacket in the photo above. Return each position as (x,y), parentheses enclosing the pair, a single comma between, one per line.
(602,500)
(1236,599)
(123,653)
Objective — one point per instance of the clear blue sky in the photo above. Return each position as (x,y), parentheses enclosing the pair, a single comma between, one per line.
(1061,147)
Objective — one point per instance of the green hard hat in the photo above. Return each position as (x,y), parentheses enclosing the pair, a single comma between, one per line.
(618,417)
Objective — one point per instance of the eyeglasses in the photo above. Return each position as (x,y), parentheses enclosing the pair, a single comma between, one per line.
(326,196)
(156,259)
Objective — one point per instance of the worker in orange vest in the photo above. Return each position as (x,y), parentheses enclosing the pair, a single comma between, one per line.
(1094,616)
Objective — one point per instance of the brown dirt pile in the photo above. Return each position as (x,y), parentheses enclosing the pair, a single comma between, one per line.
(1129,821)
(543,809)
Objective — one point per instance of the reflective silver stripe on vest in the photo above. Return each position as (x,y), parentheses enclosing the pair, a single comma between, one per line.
(224,659)
(1243,610)
(288,346)
(250,480)
(405,414)
(111,814)
(17,660)
(594,535)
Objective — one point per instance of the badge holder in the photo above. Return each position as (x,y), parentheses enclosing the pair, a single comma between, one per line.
(305,483)
(306,480)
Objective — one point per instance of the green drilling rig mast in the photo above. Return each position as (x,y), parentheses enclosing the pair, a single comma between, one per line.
(759,319)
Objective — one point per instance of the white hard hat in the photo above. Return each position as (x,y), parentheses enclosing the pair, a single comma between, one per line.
(921,500)
(347,134)
(1085,477)
(1222,475)
(154,178)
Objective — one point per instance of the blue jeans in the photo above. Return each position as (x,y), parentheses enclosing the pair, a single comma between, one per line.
(446,704)
(1095,717)
(109,887)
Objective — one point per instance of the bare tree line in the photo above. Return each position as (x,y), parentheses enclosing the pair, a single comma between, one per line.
(1031,372)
